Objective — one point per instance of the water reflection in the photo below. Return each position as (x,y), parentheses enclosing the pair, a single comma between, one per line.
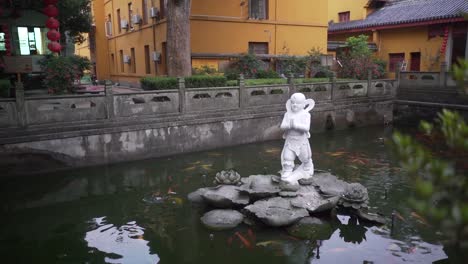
(124,244)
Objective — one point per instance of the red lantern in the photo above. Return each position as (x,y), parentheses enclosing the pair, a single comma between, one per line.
(51,11)
(52,23)
(50,2)
(53,35)
(54,46)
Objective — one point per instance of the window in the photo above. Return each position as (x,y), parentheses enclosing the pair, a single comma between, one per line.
(344,16)
(162,8)
(32,40)
(415,61)
(144,5)
(109,26)
(119,19)
(258,9)
(258,47)
(132,60)
(122,69)
(2,42)
(112,62)
(147,60)
(394,59)
(130,13)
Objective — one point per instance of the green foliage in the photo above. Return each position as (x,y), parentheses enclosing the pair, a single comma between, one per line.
(294,65)
(267,74)
(460,70)
(158,83)
(61,72)
(204,70)
(232,74)
(196,81)
(205,81)
(357,59)
(248,65)
(75,17)
(4,88)
(441,185)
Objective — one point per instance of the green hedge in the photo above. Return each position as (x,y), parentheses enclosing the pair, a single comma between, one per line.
(199,81)
(158,83)
(4,88)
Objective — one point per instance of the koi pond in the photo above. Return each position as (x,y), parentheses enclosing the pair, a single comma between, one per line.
(102,214)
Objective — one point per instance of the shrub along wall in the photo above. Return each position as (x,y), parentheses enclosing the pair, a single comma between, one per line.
(4,88)
(162,83)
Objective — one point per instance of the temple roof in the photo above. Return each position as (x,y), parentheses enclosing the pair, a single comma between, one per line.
(406,12)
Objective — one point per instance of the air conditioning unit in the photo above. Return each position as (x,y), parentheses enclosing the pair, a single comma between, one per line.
(156,56)
(124,24)
(154,12)
(136,19)
(126,59)
(108,27)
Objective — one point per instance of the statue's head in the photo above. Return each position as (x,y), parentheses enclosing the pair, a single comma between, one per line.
(297,102)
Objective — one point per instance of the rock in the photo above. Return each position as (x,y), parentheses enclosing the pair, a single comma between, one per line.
(276,211)
(307,181)
(311,228)
(287,194)
(289,187)
(222,219)
(225,196)
(328,184)
(196,196)
(371,217)
(260,186)
(309,199)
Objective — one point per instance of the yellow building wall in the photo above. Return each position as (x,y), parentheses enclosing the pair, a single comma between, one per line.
(407,40)
(217,27)
(355,7)
(101,47)
(83,48)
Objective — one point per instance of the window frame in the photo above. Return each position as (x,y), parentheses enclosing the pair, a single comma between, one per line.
(344,16)
(259,14)
(393,60)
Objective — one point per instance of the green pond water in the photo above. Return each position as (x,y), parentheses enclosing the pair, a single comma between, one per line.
(98,215)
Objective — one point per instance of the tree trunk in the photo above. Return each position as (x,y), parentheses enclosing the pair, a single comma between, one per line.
(178,38)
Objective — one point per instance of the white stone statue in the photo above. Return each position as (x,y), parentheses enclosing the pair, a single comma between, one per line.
(296,126)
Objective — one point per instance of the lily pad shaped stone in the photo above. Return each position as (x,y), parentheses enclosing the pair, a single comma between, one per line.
(276,211)
(260,186)
(329,185)
(225,196)
(309,199)
(222,219)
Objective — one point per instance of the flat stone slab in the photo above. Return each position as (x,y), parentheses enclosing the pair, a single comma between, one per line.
(371,217)
(276,211)
(328,184)
(309,198)
(196,196)
(225,196)
(260,186)
(222,219)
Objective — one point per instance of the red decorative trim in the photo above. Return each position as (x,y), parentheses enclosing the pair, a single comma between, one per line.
(402,25)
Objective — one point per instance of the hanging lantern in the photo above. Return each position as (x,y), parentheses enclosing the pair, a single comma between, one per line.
(50,2)
(54,46)
(53,35)
(52,23)
(51,11)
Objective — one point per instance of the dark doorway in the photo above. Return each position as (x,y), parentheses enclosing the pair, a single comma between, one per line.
(459,46)
(415,61)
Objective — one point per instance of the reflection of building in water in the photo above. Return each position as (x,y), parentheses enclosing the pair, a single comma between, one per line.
(124,244)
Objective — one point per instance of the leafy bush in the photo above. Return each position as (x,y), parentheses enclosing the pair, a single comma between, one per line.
(4,88)
(248,65)
(296,66)
(158,83)
(267,74)
(61,72)
(200,81)
(232,74)
(205,81)
(378,71)
(204,70)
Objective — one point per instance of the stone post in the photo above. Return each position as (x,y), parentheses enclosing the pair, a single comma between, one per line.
(20,104)
(397,79)
(369,80)
(181,84)
(292,88)
(242,92)
(333,85)
(109,102)
(443,75)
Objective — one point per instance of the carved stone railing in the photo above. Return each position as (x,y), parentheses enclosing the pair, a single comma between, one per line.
(49,110)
